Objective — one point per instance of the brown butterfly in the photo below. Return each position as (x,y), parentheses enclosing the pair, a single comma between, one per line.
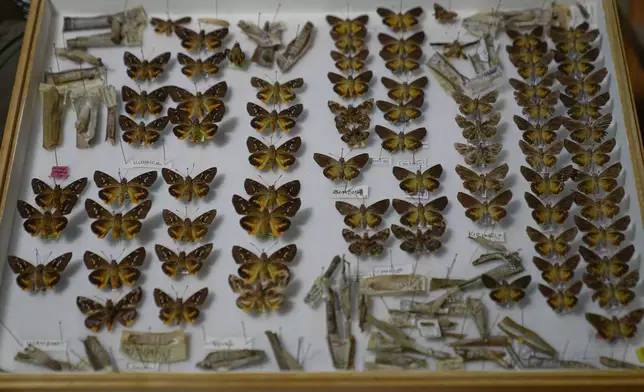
(401,63)
(283,120)
(557,274)
(145,70)
(561,300)
(362,216)
(585,110)
(265,223)
(478,184)
(270,196)
(582,65)
(167,26)
(134,190)
(114,274)
(187,229)
(99,315)
(192,128)
(400,22)
(549,214)
(526,41)
(412,215)
(532,65)
(263,156)
(142,133)
(578,87)
(199,68)
(46,224)
(402,112)
(341,169)
(541,158)
(402,46)
(193,41)
(478,210)
(442,15)
(393,142)
(52,198)
(479,155)
(347,26)
(585,157)
(351,62)
(190,262)
(275,94)
(474,131)
(547,184)
(520,57)
(349,118)
(602,236)
(236,55)
(600,208)
(609,295)
(575,39)
(351,42)
(469,106)
(350,87)
(41,277)
(588,131)
(403,91)
(418,182)
(526,94)
(606,180)
(614,328)
(504,293)
(185,187)
(265,268)
(365,245)
(544,108)
(127,224)
(455,49)
(140,104)
(200,104)
(258,297)
(548,246)
(175,311)
(610,266)
(546,133)
(419,242)
(354,138)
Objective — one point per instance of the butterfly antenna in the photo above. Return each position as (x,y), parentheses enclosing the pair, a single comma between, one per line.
(37,255)
(186,208)
(151,52)
(255,246)
(47,258)
(175,291)
(271,247)
(184,291)
(121,254)
(276,11)
(278,178)
(259,15)
(104,255)
(167,8)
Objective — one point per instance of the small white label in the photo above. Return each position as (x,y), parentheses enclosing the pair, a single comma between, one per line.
(382,161)
(425,144)
(355,192)
(420,195)
(405,269)
(411,162)
(232,343)
(147,163)
(46,345)
(141,366)
(496,237)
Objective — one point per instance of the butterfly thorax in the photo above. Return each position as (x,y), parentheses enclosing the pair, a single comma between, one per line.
(57,196)
(116,226)
(110,314)
(113,273)
(37,278)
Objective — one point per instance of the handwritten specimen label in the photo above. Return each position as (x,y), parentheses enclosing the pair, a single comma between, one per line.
(496,237)
(231,343)
(46,345)
(147,163)
(382,161)
(411,162)
(59,172)
(355,192)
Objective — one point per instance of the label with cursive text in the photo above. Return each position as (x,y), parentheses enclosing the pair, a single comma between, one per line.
(411,162)
(231,343)
(46,345)
(141,366)
(353,192)
(382,161)
(59,172)
(496,237)
(147,163)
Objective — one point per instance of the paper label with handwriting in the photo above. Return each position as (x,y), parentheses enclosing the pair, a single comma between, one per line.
(230,343)
(420,195)
(147,163)
(46,345)
(411,162)
(59,172)
(141,366)
(405,269)
(382,161)
(496,237)
(455,363)
(350,192)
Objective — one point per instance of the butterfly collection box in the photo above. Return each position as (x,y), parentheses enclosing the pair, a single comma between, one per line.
(363,188)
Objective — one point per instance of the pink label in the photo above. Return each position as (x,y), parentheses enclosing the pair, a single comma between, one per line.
(59,172)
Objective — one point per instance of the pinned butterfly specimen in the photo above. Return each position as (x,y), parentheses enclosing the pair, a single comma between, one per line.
(479,155)
(47,224)
(610,295)
(347,26)
(196,42)
(134,190)
(607,267)
(185,187)
(478,210)
(350,87)
(546,133)
(504,293)
(121,224)
(393,142)
(200,104)
(454,50)
(177,263)
(362,216)
(585,157)
(349,43)
(402,46)
(139,104)
(561,300)
(114,274)
(41,277)
(547,184)
(354,137)
(474,131)
(588,131)
(401,112)
(400,22)
(614,328)
(418,182)
(265,223)
(585,110)
(478,184)
(283,121)
(601,208)
(195,69)
(193,129)
(576,39)
(602,236)
(349,118)
(275,94)
(541,158)
(258,297)
(175,311)
(365,245)
(412,215)
(145,70)
(401,63)
(263,156)
(265,268)
(533,65)
(549,245)
(556,274)
(236,55)
(351,62)
(544,108)
(588,86)
(271,196)
(606,180)
(403,91)
(142,133)
(442,15)
(167,27)
(188,230)
(53,198)
(419,242)
(582,65)
(469,106)
(547,214)
(526,42)
(341,169)
(525,93)
(99,315)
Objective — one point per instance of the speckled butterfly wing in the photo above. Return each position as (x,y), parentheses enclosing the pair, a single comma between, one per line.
(540,158)
(167,26)
(98,315)
(52,198)
(480,155)
(474,131)
(413,183)
(365,245)
(256,297)
(265,268)
(41,277)
(185,187)
(114,274)
(195,69)
(469,106)
(127,224)
(271,197)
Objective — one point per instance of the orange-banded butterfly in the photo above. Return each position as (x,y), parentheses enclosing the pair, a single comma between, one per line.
(200,104)
(585,157)
(341,169)
(479,183)
(600,208)
(419,181)
(256,297)
(114,274)
(585,110)
(283,120)
(185,187)
(196,42)
(188,262)
(561,300)
(547,184)
(271,196)
(442,15)
(41,277)
(145,70)
(419,242)
(526,41)
(401,63)
(47,224)
(167,26)
(265,268)
(540,158)
(276,93)
(609,295)
(478,210)
(557,274)
(52,198)
(533,134)
(542,109)
(582,65)
(362,216)
(546,214)
(609,266)
(347,26)
(615,328)
(469,106)
(134,190)
(99,315)
(606,180)
(142,133)
(351,62)
(402,46)
(525,94)
(504,293)
(455,49)
(602,236)
(195,69)
(549,245)
(399,21)
(403,91)
(265,223)
(575,39)
(193,129)
(350,87)
(365,245)
(428,214)
(140,104)
(188,230)
(349,43)
(588,86)
(479,155)
(126,224)
(401,112)
(175,311)
(393,142)
(474,131)
(263,156)
(588,131)
(349,118)
(236,56)
(534,68)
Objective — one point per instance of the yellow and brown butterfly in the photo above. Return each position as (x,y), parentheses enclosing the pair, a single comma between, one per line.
(350,42)
(145,70)
(585,157)
(393,142)
(504,293)
(134,190)
(167,26)
(351,62)
(139,104)
(276,93)
(615,328)
(556,274)
(401,63)
(403,91)
(347,26)
(114,274)
(258,297)
(200,104)
(354,137)
(271,196)
(526,93)
(41,277)
(185,187)
(542,109)
(479,183)
(479,155)
(196,42)
(576,39)
(263,156)
(561,300)
(474,131)
(521,58)
(188,230)
(588,86)
(585,110)
(402,46)
(126,224)
(588,131)
(283,120)
(419,181)
(401,21)
(469,106)
(236,56)
(265,223)
(534,134)
(609,266)
(535,66)
(547,184)
(195,69)
(362,216)
(52,198)
(602,236)
(600,208)
(176,311)
(442,15)
(341,169)
(46,224)
(609,295)
(365,245)
(142,133)
(350,87)
(547,214)
(419,242)
(590,184)
(412,215)
(478,210)
(528,41)
(540,158)
(582,65)
(99,315)
(193,129)
(549,245)
(351,118)
(402,112)
(188,262)
(455,49)
(265,268)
